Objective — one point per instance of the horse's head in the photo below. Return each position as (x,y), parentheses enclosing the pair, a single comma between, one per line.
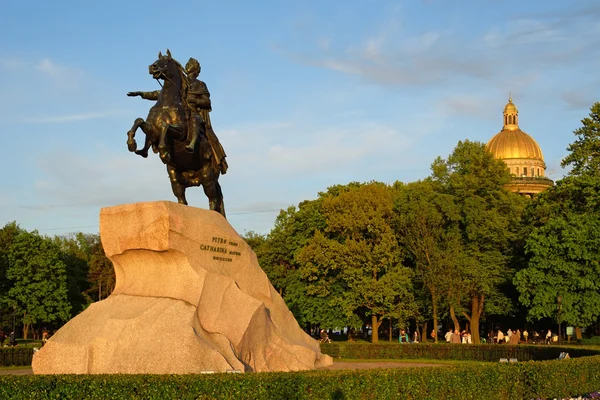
(164,68)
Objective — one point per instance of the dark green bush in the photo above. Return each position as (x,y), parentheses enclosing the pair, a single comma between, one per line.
(15,356)
(594,340)
(523,380)
(475,352)
(528,380)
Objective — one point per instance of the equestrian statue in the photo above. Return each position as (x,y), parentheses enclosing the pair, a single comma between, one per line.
(178,128)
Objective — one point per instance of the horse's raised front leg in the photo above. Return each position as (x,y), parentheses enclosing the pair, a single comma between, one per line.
(147,143)
(177,184)
(213,191)
(131,144)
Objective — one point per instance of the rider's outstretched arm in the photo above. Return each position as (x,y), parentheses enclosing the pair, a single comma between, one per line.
(145,95)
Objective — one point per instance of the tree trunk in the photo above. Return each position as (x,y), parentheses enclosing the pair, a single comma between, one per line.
(454,319)
(375,329)
(26,330)
(390,329)
(578,333)
(424,333)
(435,318)
(476,311)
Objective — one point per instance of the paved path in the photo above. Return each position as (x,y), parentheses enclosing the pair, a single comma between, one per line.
(24,371)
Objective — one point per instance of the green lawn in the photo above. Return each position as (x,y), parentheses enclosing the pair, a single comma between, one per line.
(15,367)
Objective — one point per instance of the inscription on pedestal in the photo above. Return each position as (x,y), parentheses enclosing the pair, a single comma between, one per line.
(223,246)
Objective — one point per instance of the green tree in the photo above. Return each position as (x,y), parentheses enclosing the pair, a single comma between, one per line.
(8,233)
(75,253)
(563,244)
(101,273)
(38,274)
(584,153)
(426,223)
(294,227)
(564,265)
(488,225)
(256,241)
(356,260)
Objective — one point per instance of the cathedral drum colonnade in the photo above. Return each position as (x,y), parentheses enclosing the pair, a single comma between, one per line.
(522,155)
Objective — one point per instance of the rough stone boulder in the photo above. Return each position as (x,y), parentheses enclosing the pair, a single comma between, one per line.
(190,297)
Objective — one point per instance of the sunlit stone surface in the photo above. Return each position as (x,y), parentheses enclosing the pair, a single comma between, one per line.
(190,297)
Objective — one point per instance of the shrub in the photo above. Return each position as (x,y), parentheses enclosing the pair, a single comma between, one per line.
(593,341)
(15,356)
(528,380)
(475,352)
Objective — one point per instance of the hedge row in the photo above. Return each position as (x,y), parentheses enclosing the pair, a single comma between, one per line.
(15,356)
(529,380)
(475,352)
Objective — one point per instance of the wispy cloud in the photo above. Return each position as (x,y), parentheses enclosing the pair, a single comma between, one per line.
(469,105)
(73,117)
(99,179)
(49,67)
(12,63)
(396,56)
(581,96)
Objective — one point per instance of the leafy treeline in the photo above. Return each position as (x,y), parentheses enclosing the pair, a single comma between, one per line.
(456,244)
(44,281)
(563,270)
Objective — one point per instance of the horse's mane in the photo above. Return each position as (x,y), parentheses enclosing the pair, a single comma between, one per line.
(185,83)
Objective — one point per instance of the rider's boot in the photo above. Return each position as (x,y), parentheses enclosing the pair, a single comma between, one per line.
(192,145)
(194,128)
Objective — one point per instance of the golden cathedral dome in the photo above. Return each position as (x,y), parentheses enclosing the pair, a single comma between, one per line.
(521,154)
(514,144)
(510,107)
(511,141)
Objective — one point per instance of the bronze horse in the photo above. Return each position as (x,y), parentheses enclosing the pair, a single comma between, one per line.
(166,129)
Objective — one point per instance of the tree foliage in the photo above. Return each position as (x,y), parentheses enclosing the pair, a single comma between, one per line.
(101,273)
(489,217)
(45,280)
(358,254)
(39,289)
(562,277)
(426,223)
(564,269)
(584,153)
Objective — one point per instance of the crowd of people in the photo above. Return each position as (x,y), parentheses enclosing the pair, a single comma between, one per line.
(516,337)
(464,337)
(497,337)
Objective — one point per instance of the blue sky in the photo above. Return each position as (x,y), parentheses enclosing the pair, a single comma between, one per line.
(306,94)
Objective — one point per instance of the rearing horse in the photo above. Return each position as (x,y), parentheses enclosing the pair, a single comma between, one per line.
(166,129)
